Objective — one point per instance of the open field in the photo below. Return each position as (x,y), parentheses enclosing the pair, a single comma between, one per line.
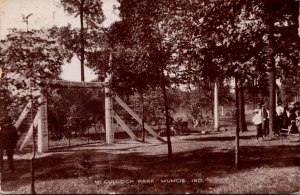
(201,164)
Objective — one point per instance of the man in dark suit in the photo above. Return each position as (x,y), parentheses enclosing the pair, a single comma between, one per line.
(8,141)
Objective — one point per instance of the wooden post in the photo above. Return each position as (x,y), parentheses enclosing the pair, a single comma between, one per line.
(43,126)
(216,105)
(108,114)
(32,160)
(237,132)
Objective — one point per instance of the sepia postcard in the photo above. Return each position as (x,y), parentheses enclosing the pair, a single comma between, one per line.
(150,96)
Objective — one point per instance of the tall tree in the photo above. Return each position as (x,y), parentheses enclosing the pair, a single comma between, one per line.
(230,26)
(282,40)
(143,51)
(211,50)
(91,17)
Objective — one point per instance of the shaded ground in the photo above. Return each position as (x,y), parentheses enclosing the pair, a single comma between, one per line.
(201,164)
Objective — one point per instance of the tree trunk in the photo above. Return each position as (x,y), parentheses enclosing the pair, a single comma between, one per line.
(88,129)
(237,112)
(143,117)
(242,119)
(272,78)
(32,167)
(69,137)
(166,104)
(283,95)
(3,113)
(272,102)
(81,41)
(254,103)
(278,94)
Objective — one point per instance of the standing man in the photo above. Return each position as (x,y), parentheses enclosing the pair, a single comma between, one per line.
(8,141)
(263,111)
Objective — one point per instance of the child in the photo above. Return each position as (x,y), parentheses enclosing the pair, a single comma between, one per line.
(257,120)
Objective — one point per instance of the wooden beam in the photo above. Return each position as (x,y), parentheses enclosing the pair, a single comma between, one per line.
(124,126)
(137,118)
(29,132)
(75,83)
(23,115)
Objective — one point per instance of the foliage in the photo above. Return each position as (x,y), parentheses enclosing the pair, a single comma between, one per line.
(141,52)
(92,11)
(28,58)
(200,100)
(73,111)
(231,38)
(94,44)
(153,106)
(240,39)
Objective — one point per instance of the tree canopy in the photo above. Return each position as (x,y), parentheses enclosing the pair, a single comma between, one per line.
(28,58)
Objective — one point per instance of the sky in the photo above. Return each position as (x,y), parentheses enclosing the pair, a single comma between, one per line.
(47,13)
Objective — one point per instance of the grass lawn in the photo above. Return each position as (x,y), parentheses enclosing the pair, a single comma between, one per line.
(201,164)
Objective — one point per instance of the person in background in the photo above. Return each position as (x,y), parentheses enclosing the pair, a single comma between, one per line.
(8,141)
(298,122)
(285,118)
(263,111)
(279,116)
(295,106)
(257,120)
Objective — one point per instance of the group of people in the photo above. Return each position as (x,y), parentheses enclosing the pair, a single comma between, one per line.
(286,119)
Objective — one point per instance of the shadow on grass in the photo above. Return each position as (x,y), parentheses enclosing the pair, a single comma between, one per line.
(90,144)
(201,163)
(67,147)
(271,156)
(219,138)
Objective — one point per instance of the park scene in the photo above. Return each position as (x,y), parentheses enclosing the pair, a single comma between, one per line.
(150,96)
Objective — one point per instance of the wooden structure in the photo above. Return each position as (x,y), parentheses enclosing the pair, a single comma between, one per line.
(41,118)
